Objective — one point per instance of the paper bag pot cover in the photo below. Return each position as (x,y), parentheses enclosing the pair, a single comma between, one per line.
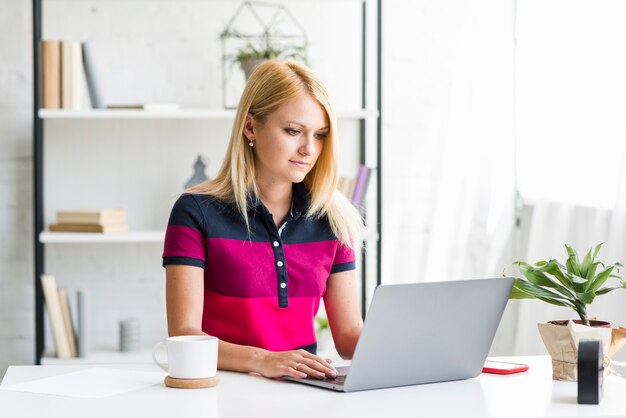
(561,341)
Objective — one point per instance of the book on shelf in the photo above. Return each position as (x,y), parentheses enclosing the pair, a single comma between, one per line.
(360,185)
(346,186)
(53,305)
(146,106)
(84,322)
(99,217)
(71,75)
(62,74)
(93,83)
(70,332)
(51,74)
(106,228)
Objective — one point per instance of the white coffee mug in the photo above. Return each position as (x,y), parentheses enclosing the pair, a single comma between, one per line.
(188,356)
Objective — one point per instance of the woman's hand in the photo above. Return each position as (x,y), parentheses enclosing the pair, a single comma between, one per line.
(296,363)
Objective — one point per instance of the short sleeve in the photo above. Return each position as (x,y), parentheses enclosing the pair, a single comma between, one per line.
(184,237)
(345,259)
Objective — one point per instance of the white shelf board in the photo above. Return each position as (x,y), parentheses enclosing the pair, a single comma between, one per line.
(137,114)
(103,356)
(94,237)
(173,114)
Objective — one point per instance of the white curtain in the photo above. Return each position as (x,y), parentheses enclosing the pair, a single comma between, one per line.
(571,89)
(448,150)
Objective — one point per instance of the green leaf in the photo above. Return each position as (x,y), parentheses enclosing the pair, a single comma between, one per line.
(605,290)
(578,280)
(554,269)
(597,249)
(537,276)
(591,273)
(586,297)
(527,290)
(572,261)
(587,260)
(558,302)
(600,279)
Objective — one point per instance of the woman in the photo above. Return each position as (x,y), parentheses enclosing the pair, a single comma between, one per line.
(249,254)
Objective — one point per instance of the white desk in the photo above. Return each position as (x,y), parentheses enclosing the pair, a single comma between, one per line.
(532,394)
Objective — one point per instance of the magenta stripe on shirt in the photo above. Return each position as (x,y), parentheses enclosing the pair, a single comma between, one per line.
(247,269)
(188,242)
(238,320)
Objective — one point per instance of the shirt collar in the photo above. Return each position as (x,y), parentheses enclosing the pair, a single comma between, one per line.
(299,203)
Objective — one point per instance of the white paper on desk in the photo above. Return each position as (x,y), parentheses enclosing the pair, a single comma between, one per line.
(96,382)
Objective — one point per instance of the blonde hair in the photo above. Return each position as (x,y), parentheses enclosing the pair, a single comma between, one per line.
(272,84)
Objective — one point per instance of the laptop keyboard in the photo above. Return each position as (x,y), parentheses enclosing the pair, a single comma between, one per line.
(339,380)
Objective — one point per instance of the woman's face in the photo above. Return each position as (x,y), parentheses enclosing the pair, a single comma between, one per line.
(289,141)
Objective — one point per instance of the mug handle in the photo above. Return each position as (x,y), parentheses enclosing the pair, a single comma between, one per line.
(156,348)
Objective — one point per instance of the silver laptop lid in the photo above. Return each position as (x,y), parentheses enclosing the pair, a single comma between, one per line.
(427,332)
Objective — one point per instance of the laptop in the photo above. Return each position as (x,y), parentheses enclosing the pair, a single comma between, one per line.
(423,333)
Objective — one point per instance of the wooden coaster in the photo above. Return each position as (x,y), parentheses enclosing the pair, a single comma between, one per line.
(173,382)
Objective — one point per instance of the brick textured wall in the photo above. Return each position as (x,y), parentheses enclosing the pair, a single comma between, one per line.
(16,249)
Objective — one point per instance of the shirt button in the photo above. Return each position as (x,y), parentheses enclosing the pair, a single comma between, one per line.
(283,285)
(276,244)
(279,264)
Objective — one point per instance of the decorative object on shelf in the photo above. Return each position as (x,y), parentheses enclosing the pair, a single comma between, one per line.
(255,33)
(199,174)
(574,285)
(129,335)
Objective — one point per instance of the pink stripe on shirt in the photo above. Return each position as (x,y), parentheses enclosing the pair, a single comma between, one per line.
(188,242)
(259,322)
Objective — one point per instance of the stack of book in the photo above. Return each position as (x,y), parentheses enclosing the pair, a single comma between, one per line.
(105,220)
(68,342)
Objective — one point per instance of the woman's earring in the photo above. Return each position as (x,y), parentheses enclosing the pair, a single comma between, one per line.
(251,143)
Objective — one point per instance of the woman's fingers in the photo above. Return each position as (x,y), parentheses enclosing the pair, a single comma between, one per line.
(311,371)
(296,371)
(298,363)
(319,366)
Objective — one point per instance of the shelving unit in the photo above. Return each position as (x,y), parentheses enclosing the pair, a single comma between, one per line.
(365,117)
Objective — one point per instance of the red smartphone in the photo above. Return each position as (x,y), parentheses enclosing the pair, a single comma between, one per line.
(501,367)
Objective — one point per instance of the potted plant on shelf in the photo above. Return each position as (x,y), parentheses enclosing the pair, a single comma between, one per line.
(574,285)
(265,47)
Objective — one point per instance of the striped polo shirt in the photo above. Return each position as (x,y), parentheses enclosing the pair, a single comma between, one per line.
(262,287)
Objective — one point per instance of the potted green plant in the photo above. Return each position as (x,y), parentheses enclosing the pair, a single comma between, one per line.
(574,284)
(265,47)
